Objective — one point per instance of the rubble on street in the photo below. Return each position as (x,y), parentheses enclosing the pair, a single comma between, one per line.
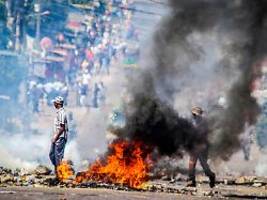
(238,187)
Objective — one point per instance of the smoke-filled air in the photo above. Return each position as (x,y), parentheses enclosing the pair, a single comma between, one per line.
(130,94)
(205,53)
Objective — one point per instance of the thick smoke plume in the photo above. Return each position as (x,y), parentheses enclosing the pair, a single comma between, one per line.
(158,124)
(242,108)
(204,53)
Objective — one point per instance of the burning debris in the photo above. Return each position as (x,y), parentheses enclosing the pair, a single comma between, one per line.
(154,126)
(181,64)
(245,186)
(65,170)
(127,162)
(152,114)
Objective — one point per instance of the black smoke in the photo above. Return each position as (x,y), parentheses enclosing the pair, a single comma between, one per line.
(250,19)
(156,123)
(180,63)
(159,125)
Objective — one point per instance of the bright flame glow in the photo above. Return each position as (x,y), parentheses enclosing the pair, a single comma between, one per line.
(64,171)
(127,163)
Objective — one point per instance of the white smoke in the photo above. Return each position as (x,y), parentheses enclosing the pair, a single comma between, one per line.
(23,150)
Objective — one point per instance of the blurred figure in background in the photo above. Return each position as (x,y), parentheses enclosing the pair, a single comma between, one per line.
(246,140)
(72,125)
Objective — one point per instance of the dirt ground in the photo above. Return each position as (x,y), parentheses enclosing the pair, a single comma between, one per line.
(179,191)
(23,193)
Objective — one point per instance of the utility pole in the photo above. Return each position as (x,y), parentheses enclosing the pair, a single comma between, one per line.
(37,10)
(18,32)
(11,22)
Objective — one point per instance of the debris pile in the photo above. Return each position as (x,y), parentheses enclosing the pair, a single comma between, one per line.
(41,176)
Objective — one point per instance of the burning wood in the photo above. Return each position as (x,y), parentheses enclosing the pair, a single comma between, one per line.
(65,171)
(128,163)
(41,177)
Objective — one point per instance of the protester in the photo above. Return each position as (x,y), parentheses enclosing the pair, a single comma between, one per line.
(60,134)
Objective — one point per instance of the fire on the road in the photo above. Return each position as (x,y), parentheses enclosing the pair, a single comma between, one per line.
(64,171)
(127,163)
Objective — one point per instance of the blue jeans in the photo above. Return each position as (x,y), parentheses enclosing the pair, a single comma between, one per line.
(56,153)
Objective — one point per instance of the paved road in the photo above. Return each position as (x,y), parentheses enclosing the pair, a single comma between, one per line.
(23,193)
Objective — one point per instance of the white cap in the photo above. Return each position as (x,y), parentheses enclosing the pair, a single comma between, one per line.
(58,100)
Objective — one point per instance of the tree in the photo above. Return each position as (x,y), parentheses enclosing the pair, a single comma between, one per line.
(4,32)
(2,11)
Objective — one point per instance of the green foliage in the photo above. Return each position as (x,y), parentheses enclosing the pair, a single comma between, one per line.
(2,10)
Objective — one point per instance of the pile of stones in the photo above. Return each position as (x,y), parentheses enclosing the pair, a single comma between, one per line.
(40,176)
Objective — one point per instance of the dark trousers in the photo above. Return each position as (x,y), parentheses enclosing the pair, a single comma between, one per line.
(200,154)
(56,153)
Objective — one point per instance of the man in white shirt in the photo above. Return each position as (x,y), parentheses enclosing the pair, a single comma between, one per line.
(59,135)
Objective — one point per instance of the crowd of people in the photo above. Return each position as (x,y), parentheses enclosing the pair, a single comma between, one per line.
(79,58)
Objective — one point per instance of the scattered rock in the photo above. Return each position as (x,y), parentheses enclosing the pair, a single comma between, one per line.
(38,185)
(5,171)
(208,193)
(16,172)
(257,185)
(24,172)
(42,177)
(241,180)
(30,179)
(165,178)
(7,178)
(245,180)
(189,189)
(202,179)
(226,182)
(42,170)
(262,180)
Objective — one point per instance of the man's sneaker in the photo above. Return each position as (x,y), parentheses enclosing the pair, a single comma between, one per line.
(212,181)
(191,184)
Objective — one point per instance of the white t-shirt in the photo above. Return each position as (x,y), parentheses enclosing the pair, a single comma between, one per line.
(61,118)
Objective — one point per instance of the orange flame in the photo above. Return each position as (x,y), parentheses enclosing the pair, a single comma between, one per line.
(128,163)
(64,171)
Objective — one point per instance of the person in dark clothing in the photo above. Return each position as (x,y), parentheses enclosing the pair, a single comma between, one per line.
(96,95)
(200,150)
